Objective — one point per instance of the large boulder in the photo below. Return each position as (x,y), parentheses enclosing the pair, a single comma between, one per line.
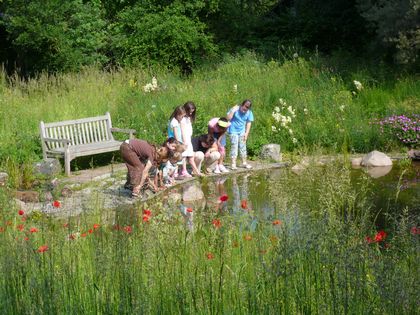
(192,192)
(49,167)
(271,152)
(376,158)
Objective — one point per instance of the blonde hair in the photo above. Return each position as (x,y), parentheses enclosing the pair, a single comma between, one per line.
(180,147)
(176,157)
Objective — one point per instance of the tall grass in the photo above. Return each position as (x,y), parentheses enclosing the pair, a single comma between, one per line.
(329,112)
(305,257)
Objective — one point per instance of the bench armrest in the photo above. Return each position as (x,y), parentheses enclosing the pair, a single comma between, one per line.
(65,141)
(131,132)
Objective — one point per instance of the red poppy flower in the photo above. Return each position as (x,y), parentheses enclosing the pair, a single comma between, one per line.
(209,256)
(146,218)
(223,198)
(56,204)
(65,225)
(42,248)
(380,236)
(216,223)
(20,227)
(189,209)
(83,235)
(96,226)
(247,237)
(21,212)
(90,231)
(1,229)
(414,230)
(128,229)
(26,239)
(277,222)
(8,222)
(72,237)
(33,230)
(244,204)
(147,212)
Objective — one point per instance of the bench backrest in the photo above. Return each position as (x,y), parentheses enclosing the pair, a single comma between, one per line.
(79,131)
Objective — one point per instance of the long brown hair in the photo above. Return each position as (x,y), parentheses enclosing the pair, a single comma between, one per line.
(190,110)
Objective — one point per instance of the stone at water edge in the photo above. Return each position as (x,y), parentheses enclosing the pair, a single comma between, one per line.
(192,192)
(3,178)
(376,158)
(355,163)
(271,151)
(414,154)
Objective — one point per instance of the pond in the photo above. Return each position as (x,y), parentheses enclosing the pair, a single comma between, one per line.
(329,240)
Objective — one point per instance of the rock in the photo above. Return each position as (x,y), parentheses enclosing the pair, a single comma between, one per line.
(66,192)
(376,158)
(49,167)
(412,154)
(20,204)
(355,163)
(271,152)
(174,198)
(3,178)
(27,196)
(48,196)
(379,171)
(192,192)
(299,168)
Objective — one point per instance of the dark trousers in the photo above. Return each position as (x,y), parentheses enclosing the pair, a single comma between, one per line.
(134,166)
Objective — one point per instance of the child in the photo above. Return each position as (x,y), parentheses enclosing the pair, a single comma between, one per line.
(174,126)
(187,130)
(169,169)
(217,128)
(240,117)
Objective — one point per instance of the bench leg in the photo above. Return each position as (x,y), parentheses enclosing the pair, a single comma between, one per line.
(67,164)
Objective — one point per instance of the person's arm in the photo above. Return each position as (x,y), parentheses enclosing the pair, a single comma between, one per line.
(183,132)
(232,112)
(144,176)
(247,129)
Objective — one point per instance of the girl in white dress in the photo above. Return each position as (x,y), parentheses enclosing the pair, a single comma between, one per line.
(187,131)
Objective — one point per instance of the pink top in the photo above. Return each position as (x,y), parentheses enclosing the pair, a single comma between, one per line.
(214,126)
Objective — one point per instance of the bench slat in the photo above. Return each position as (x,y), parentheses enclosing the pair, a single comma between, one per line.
(75,121)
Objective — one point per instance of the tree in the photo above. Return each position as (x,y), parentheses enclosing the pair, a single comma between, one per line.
(54,35)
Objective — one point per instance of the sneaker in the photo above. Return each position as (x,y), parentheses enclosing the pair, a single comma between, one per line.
(186,174)
(246,165)
(216,170)
(233,166)
(223,169)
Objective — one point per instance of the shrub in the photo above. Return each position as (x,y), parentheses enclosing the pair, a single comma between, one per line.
(405,128)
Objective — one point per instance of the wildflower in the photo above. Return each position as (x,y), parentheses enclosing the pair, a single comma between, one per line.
(209,256)
(342,108)
(1,229)
(414,230)
(235,88)
(83,235)
(247,237)
(277,109)
(128,229)
(21,212)
(305,110)
(20,227)
(42,248)
(380,236)
(56,204)
(96,226)
(72,237)
(146,218)
(244,204)
(358,85)
(294,140)
(147,212)
(276,222)
(90,231)
(33,230)
(190,210)
(216,223)
(295,55)
(223,198)
(273,128)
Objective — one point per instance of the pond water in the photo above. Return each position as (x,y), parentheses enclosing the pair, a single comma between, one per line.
(386,192)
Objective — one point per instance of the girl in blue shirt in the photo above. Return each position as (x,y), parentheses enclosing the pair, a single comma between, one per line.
(240,117)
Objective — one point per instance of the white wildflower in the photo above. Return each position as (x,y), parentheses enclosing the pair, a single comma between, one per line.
(305,110)
(294,140)
(290,131)
(291,111)
(282,102)
(277,109)
(273,128)
(154,83)
(235,88)
(295,55)
(148,88)
(358,85)
(342,108)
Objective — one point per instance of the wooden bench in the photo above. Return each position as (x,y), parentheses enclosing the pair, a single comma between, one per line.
(80,137)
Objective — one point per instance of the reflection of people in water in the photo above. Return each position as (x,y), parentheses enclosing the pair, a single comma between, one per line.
(216,189)
(193,200)
(240,193)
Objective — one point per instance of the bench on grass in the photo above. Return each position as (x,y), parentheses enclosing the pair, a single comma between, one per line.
(80,137)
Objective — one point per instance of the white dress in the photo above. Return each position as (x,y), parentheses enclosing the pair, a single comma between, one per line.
(188,130)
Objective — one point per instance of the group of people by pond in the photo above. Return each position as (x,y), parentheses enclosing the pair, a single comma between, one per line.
(204,153)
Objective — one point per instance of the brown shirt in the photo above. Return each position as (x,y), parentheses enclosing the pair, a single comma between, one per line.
(144,150)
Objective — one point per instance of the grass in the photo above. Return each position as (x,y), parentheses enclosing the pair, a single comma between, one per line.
(307,254)
(330,112)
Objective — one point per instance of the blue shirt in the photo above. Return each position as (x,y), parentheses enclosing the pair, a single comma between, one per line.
(239,120)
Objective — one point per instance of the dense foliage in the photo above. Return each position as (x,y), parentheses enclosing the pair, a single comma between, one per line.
(58,36)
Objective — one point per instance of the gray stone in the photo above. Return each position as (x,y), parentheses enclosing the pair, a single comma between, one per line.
(3,178)
(192,192)
(376,158)
(412,154)
(271,152)
(48,167)
(66,191)
(27,195)
(355,163)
